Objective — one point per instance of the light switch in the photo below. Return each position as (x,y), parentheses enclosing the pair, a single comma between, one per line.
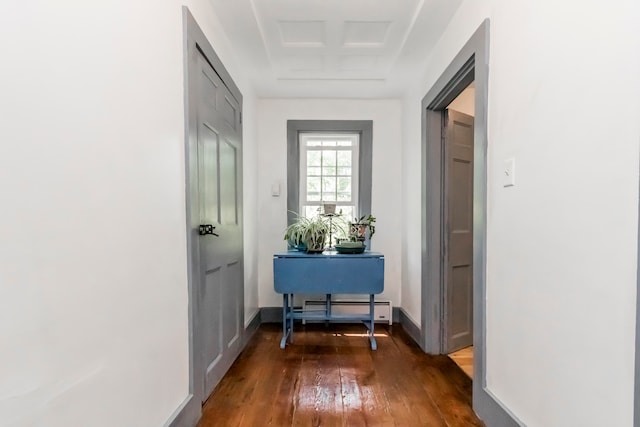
(509,173)
(275,189)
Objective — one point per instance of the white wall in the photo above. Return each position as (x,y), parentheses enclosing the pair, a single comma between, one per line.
(561,249)
(386,196)
(93,284)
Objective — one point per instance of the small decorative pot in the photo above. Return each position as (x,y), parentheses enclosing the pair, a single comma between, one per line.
(329,208)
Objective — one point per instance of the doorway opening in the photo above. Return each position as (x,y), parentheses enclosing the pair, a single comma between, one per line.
(457,221)
(470,64)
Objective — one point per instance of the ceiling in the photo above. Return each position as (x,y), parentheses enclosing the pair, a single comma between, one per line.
(333,48)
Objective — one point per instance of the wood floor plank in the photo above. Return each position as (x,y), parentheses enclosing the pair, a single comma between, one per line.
(364,400)
(318,399)
(448,387)
(400,379)
(329,376)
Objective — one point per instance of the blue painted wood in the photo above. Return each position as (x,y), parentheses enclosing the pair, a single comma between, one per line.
(328,273)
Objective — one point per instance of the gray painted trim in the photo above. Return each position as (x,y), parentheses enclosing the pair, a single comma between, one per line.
(493,413)
(471,63)
(363,127)
(251,328)
(271,315)
(195,40)
(395,314)
(196,386)
(187,414)
(410,328)
(636,387)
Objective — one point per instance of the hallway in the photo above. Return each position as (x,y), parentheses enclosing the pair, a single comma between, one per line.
(330,377)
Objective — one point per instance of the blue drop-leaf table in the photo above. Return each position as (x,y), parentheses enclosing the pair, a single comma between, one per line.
(329,273)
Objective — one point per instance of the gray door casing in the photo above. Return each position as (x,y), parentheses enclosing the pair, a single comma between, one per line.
(195,45)
(457,272)
(471,63)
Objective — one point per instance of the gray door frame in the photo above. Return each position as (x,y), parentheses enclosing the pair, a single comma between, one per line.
(636,385)
(189,412)
(471,63)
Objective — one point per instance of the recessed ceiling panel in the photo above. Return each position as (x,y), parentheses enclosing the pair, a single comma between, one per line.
(341,48)
(303,63)
(302,33)
(363,34)
(357,63)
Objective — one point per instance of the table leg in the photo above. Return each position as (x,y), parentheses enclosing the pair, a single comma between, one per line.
(372,336)
(327,310)
(291,318)
(286,330)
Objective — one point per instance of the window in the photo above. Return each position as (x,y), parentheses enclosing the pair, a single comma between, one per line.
(314,166)
(329,172)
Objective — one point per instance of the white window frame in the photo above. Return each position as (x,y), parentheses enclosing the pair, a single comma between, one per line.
(354,138)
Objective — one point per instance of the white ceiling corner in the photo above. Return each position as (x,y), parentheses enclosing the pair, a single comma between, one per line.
(333,48)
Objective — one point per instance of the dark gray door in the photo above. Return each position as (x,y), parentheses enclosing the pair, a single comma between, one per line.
(458,229)
(220,302)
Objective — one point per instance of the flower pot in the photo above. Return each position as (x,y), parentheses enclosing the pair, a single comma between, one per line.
(329,208)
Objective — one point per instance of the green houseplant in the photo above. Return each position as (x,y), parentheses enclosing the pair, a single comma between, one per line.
(308,234)
(315,234)
(294,233)
(359,226)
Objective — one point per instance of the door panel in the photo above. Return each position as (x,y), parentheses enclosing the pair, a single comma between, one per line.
(211,297)
(221,302)
(229,191)
(231,320)
(461,295)
(208,168)
(229,113)
(458,229)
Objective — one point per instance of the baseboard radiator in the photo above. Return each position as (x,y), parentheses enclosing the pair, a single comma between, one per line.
(382,309)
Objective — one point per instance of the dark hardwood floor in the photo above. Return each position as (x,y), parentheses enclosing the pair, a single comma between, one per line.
(330,377)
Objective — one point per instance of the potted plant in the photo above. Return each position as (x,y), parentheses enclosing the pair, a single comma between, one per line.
(294,234)
(315,234)
(308,234)
(359,227)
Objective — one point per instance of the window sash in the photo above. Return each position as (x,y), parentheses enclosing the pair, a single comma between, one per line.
(354,140)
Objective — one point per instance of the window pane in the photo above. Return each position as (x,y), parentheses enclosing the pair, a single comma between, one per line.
(344,158)
(329,170)
(314,171)
(344,171)
(329,158)
(328,186)
(344,197)
(313,158)
(329,143)
(348,213)
(344,184)
(344,143)
(313,197)
(311,211)
(313,185)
